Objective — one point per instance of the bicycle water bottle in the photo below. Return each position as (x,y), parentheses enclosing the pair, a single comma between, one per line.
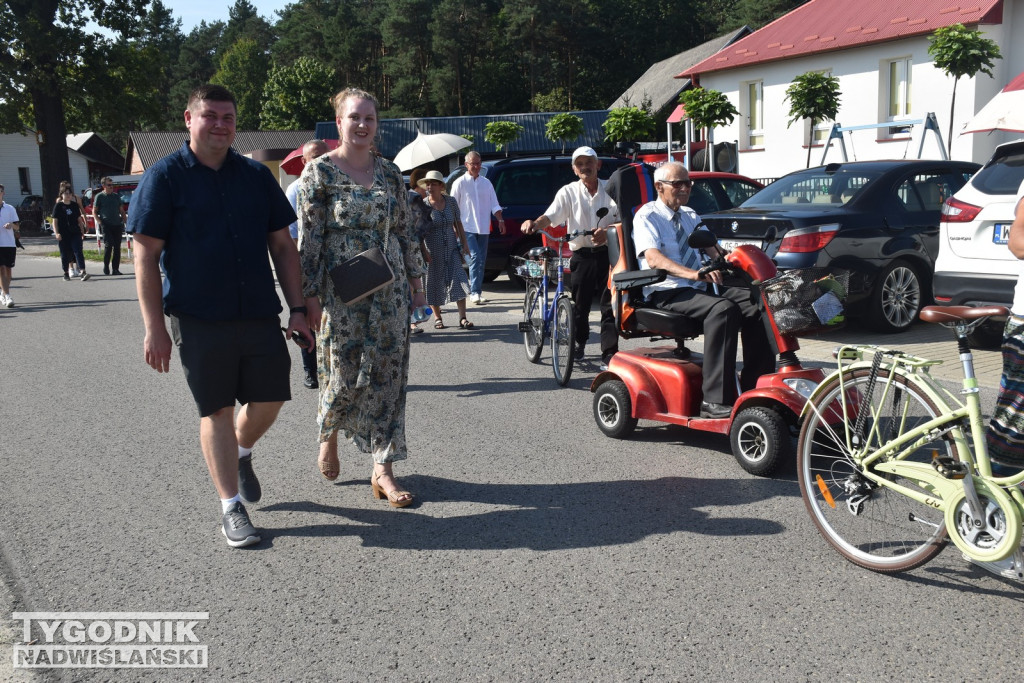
(421,314)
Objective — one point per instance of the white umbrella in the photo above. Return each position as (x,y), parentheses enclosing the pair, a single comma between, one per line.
(1005,111)
(427,148)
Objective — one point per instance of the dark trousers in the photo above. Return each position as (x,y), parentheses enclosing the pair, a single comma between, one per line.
(725,317)
(70,247)
(112,247)
(589,271)
(309,360)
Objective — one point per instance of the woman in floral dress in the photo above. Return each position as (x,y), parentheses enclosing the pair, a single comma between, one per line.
(446,242)
(351,200)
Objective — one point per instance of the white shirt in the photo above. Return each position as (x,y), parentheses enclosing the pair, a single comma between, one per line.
(477,201)
(653,229)
(8,214)
(575,208)
(292,193)
(1018,291)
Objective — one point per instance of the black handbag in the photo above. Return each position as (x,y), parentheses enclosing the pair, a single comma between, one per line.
(363,274)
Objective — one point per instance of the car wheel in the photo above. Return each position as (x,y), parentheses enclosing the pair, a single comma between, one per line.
(897,298)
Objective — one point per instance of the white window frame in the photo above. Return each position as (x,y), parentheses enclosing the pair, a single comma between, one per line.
(897,94)
(753,101)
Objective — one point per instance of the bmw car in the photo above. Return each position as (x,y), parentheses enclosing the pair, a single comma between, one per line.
(876,220)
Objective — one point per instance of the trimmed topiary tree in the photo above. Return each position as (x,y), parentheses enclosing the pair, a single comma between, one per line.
(815,96)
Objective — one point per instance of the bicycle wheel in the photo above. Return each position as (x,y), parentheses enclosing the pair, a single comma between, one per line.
(533,335)
(871,525)
(563,334)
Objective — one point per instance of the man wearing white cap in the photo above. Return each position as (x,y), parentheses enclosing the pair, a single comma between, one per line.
(576,205)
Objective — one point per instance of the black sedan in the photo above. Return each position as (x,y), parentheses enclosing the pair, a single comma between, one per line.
(878,220)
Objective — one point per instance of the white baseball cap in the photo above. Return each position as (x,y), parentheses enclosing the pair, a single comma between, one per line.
(584,152)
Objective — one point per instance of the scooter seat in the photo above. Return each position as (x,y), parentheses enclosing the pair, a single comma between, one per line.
(662,323)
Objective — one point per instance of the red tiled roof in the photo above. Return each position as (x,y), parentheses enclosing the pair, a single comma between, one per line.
(828,25)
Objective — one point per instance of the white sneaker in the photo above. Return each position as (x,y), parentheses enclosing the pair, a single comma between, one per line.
(480,300)
(8,301)
(3,299)
(475,298)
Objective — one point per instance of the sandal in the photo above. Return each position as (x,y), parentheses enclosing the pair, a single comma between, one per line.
(439,325)
(397,499)
(465,324)
(330,470)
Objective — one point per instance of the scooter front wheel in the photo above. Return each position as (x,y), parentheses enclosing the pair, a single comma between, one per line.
(613,409)
(760,440)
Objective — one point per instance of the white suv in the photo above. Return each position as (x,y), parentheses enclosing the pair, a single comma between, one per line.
(974,265)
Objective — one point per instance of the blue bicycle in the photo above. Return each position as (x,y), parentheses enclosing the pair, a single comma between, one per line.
(544,317)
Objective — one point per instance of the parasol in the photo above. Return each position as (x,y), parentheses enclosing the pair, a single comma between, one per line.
(427,148)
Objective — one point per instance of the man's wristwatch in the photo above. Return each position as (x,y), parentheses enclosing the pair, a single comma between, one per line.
(298,309)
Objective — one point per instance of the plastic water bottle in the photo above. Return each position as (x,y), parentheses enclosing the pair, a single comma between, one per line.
(421,314)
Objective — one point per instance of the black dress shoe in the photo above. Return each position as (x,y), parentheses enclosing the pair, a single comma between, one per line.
(310,381)
(117,272)
(579,352)
(714,410)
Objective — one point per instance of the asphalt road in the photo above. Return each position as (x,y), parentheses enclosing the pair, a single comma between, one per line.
(540,550)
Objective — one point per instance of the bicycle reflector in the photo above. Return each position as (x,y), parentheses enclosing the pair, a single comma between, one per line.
(825,492)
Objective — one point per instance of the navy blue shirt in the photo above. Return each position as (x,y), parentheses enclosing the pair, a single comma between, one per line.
(215,226)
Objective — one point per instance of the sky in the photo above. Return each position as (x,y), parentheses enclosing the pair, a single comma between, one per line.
(191,12)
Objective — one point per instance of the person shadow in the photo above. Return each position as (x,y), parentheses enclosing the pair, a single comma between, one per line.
(458,515)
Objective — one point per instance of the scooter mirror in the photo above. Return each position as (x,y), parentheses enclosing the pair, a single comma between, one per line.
(602,212)
(702,239)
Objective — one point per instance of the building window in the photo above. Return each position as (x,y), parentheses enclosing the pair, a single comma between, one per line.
(25,180)
(754,102)
(898,98)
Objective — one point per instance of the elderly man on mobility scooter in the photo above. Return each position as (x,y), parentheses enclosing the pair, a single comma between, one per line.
(660,232)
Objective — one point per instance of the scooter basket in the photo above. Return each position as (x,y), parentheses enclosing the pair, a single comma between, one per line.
(807,300)
(534,270)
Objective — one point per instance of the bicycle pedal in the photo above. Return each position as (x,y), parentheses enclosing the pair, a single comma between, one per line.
(948,467)
(525,326)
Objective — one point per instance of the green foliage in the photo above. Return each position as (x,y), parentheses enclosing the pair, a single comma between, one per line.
(501,134)
(564,128)
(628,124)
(556,100)
(297,96)
(708,108)
(815,96)
(243,71)
(959,51)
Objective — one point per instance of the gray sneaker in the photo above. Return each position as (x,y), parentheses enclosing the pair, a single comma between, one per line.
(248,485)
(85,276)
(237,528)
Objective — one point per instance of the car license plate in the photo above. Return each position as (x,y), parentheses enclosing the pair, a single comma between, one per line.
(732,244)
(1001,233)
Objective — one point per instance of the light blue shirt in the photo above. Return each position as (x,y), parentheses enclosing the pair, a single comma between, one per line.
(292,193)
(653,229)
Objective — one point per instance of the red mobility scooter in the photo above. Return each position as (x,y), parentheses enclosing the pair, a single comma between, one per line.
(656,384)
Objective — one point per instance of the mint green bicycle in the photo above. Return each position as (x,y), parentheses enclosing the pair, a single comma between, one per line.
(891,465)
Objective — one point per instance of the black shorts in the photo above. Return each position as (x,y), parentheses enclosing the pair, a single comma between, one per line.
(243,360)
(7,255)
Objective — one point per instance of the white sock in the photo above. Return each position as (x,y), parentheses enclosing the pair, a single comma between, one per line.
(243,451)
(225,503)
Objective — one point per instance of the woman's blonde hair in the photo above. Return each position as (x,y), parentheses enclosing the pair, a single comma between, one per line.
(339,100)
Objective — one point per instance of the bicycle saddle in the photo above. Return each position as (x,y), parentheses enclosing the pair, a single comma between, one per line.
(953,314)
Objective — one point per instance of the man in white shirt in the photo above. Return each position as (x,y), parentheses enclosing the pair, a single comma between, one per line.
(576,206)
(660,232)
(311,150)
(477,201)
(9,226)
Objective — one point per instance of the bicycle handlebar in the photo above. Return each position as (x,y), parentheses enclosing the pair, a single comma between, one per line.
(568,235)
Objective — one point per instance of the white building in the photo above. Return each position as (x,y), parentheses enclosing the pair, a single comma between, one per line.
(879,52)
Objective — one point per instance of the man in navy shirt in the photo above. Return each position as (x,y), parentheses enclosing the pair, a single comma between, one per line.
(209,217)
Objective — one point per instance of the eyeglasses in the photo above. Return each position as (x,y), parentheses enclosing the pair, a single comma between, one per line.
(676,184)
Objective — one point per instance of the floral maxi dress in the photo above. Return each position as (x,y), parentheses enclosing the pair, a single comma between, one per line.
(362,349)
